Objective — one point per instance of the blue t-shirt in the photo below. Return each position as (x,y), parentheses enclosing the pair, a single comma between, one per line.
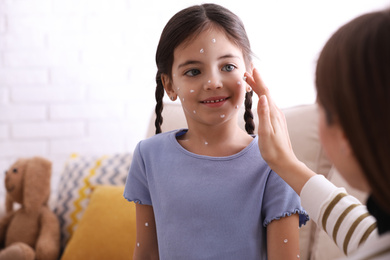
(208,207)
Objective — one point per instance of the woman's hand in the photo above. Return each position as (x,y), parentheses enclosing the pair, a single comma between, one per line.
(274,140)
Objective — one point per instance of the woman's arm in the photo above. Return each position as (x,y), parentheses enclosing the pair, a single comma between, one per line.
(274,140)
(318,195)
(146,246)
(283,238)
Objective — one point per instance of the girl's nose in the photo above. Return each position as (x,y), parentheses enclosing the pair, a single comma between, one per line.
(213,83)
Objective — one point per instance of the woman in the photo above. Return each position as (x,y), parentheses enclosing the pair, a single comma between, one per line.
(353,94)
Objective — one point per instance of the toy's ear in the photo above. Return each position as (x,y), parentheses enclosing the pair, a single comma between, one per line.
(36,183)
(9,203)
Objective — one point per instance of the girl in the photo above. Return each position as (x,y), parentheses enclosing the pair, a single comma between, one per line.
(353,94)
(201,193)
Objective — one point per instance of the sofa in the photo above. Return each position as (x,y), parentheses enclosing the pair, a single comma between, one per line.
(98,223)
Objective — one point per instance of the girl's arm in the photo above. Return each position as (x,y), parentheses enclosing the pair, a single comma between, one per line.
(274,140)
(283,238)
(146,246)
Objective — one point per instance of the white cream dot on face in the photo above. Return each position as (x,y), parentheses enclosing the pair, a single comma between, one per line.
(222,116)
(214,40)
(183,99)
(298,256)
(206,143)
(194,112)
(239,82)
(209,81)
(146,224)
(236,107)
(137,244)
(201,51)
(192,91)
(285,241)
(174,74)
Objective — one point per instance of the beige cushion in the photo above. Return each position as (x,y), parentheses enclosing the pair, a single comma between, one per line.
(173,118)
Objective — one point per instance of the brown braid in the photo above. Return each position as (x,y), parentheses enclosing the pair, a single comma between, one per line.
(248,115)
(159,105)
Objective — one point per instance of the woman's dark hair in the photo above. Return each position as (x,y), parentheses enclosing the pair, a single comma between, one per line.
(186,24)
(353,86)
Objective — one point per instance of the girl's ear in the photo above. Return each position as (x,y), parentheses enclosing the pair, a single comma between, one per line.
(168,86)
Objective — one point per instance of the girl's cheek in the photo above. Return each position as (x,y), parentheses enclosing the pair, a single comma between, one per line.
(240,82)
(238,78)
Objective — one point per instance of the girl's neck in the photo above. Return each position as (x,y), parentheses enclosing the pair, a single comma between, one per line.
(216,141)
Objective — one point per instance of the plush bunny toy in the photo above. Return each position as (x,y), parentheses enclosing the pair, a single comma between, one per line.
(32,231)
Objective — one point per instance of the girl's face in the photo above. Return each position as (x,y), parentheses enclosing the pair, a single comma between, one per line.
(207,77)
(339,152)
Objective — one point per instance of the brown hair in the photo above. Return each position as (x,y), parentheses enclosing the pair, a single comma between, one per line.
(187,23)
(353,86)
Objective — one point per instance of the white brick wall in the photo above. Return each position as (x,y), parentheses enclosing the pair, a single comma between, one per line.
(65,84)
(59,94)
(2,24)
(25,112)
(15,149)
(77,76)
(3,95)
(24,76)
(47,130)
(4,132)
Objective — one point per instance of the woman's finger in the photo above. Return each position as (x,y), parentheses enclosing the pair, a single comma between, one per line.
(256,82)
(265,126)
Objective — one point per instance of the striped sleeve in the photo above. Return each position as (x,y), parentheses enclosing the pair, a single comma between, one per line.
(340,215)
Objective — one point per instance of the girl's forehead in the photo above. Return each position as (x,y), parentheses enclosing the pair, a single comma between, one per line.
(209,40)
(207,33)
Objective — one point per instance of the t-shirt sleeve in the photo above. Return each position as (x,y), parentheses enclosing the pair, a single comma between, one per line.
(136,188)
(280,200)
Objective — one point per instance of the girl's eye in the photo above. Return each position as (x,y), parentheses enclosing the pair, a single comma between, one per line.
(228,67)
(192,72)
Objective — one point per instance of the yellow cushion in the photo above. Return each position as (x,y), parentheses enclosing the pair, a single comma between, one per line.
(106,229)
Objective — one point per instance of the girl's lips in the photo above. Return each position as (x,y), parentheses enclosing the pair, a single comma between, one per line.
(214,101)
